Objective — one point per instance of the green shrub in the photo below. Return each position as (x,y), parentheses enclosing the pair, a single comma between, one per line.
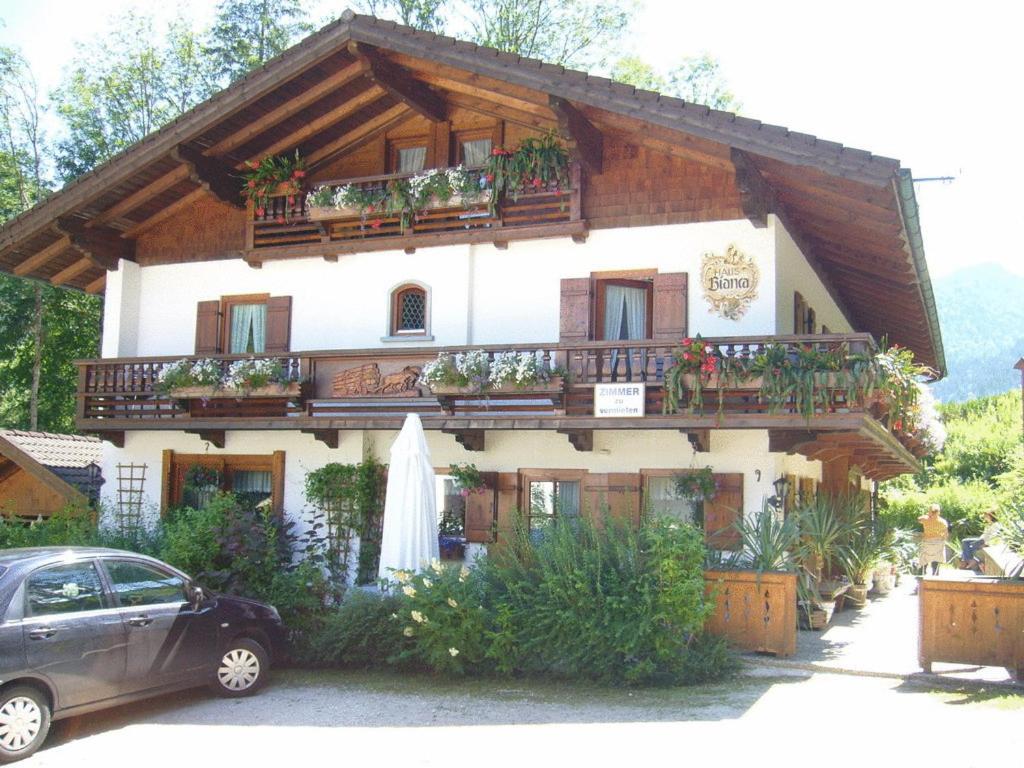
(189,539)
(364,632)
(442,611)
(962,504)
(707,659)
(69,526)
(605,603)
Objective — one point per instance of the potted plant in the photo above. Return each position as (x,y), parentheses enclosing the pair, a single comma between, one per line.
(259,377)
(474,372)
(537,165)
(695,363)
(273,176)
(859,557)
(189,378)
(697,485)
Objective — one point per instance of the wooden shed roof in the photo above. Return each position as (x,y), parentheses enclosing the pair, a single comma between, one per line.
(853,213)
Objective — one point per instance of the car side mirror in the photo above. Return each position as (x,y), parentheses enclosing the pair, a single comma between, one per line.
(196,596)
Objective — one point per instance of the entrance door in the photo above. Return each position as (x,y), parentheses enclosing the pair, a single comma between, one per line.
(72,635)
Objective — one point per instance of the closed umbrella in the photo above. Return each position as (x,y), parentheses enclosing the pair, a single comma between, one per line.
(409,540)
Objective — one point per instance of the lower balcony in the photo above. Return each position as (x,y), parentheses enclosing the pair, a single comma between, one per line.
(573,389)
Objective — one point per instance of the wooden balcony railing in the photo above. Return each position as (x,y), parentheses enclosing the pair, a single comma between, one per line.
(371,383)
(287,224)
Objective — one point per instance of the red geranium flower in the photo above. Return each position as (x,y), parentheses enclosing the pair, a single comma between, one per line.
(280,219)
(252,184)
(260,211)
(376,223)
(291,200)
(489,177)
(299,174)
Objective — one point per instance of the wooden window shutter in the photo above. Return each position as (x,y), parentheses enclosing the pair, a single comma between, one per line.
(507,501)
(670,307)
(279,324)
(482,511)
(721,512)
(208,328)
(624,496)
(799,313)
(576,308)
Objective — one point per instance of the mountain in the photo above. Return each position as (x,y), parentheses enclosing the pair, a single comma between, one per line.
(981,311)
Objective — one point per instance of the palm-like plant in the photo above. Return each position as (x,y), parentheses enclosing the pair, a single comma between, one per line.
(826,530)
(768,542)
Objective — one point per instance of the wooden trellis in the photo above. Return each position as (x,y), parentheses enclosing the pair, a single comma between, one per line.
(131,480)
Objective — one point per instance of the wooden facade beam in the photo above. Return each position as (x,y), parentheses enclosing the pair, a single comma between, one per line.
(756,195)
(37,260)
(700,439)
(574,125)
(210,174)
(290,107)
(104,246)
(314,126)
(398,82)
(470,439)
(503,111)
(72,271)
(141,196)
(215,437)
(328,437)
(580,439)
(97,285)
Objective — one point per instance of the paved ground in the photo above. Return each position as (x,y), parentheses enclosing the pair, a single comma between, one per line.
(881,638)
(349,719)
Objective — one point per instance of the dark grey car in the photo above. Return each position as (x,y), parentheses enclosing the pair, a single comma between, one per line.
(87,628)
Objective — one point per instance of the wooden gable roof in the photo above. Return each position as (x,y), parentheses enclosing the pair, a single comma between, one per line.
(853,213)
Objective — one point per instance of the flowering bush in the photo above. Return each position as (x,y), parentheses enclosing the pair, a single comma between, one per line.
(254,373)
(926,422)
(468,369)
(443,615)
(520,369)
(273,176)
(188,373)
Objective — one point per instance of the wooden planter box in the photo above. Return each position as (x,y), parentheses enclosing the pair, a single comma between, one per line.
(291,389)
(972,621)
(553,385)
(456,201)
(754,611)
(320,214)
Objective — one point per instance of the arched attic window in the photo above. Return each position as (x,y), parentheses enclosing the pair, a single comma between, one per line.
(409,311)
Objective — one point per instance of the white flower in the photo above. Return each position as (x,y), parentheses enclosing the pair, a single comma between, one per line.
(394,615)
(418,617)
(463,573)
(427,583)
(436,566)
(401,576)
(407,631)
(409,591)
(452,603)
(453,651)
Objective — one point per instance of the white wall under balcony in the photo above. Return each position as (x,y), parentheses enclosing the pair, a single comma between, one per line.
(478,294)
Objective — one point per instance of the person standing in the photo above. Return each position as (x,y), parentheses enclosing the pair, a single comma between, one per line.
(933,540)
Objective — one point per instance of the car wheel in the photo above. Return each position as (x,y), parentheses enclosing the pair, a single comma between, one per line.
(24,722)
(242,669)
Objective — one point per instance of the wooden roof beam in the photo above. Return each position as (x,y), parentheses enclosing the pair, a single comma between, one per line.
(210,174)
(508,114)
(141,196)
(72,271)
(37,260)
(757,197)
(574,125)
(399,83)
(97,285)
(336,115)
(290,107)
(104,246)
(165,213)
(384,121)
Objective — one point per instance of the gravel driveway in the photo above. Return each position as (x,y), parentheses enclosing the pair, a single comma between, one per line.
(350,719)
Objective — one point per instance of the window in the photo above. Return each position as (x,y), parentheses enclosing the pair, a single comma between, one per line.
(407,155)
(550,496)
(451,506)
(663,501)
(804,319)
(409,311)
(473,148)
(193,479)
(136,584)
(68,588)
(246,324)
(624,309)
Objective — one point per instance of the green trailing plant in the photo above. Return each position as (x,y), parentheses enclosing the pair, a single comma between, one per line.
(273,176)
(695,484)
(695,362)
(467,478)
(538,163)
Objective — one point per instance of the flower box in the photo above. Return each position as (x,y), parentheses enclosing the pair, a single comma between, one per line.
(291,389)
(456,201)
(553,385)
(316,213)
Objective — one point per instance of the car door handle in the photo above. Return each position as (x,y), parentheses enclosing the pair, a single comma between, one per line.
(42,633)
(140,621)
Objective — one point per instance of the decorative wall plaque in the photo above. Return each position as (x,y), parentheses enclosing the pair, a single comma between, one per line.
(729,282)
(367,381)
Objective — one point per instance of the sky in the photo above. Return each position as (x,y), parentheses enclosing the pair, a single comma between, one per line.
(932,84)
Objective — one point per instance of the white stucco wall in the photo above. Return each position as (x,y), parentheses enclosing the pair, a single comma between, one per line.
(795,274)
(478,294)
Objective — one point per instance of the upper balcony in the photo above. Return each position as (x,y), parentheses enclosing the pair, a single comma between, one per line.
(288,226)
(326,391)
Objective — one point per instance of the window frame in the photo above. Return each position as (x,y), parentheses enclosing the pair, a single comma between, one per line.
(411,142)
(645,494)
(396,310)
(225,463)
(494,133)
(227,304)
(600,297)
(528,476)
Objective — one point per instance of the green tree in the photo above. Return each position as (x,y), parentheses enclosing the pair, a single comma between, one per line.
(697,79)
(247,33)
(429,15)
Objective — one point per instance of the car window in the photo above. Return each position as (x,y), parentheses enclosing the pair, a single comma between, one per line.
(137,584)
(65,588)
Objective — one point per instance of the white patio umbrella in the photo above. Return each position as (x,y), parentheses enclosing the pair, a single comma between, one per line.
(409,540)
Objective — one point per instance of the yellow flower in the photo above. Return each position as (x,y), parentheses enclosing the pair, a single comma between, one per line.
(436,566)
(427,583)
(418,617)
(463,573)
(453,651)
(407,631)
(452,603)
(401,576)
(409,591)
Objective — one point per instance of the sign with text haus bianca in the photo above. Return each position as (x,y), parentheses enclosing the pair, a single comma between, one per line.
(729,281)
(617,401)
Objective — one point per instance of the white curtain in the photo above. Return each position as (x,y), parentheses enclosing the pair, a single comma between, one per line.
(412,160)
(476,152)
(569,498)
(625,317)
(248,328)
